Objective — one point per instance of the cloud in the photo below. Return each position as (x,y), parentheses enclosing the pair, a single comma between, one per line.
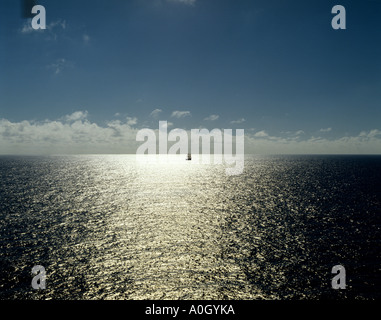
(51,32)
(212,117)
(132,121)
(326,130)
(27,27)
(155,113)
(70,134)
(57,24)
(77,115)
(55,29)
(76,134)
(261,134)
(238,121)
(58,65)
(374,133)
(371,134)
(180,114)
(367,142)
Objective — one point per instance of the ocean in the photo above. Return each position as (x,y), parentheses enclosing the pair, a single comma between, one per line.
(108,227)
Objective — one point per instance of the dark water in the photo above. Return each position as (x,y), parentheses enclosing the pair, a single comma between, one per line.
(106,227)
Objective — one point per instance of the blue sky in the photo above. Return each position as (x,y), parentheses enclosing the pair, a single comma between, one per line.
(274,68)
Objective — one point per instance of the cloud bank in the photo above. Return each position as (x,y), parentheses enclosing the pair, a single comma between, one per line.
(72,134)
(76,134)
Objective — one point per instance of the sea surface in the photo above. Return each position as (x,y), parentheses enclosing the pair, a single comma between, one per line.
(109,227)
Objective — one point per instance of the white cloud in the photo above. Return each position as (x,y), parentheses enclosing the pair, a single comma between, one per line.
(132,121)
(373,133)
(27,27)
(261,134)
(367,142)
(51,32)
(72,134)
(75,133)
(155,113)
(238,121)
(325,130)
(299,132)
(57,23)
(55,29)
(180,114)
(77,115)
(212,117)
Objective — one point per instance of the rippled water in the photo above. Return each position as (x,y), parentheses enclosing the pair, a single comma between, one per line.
(106,227)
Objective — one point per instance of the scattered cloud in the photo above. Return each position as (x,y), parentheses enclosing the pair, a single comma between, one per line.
(59,65)
(299,132)
(27,27)
(51,32)
(57,24)
(326,130)
(75,133)
(132,121)
(371,134)
(155,113)
(180,114)
(261,134)
(77,115)
(55,30)
(238,121)
(212,117)
(367,142)
(294,134)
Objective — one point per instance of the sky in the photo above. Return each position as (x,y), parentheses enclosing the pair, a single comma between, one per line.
(102,70)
